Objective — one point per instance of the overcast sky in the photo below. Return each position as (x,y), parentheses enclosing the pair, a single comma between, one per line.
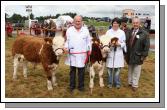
(84,10)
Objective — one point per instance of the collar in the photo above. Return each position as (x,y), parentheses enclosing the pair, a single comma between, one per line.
(79,30)
(139,30)
(136,30)
(114,30)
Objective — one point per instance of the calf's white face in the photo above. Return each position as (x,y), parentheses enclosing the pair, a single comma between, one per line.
(105,45)
(105,51)
(58,44)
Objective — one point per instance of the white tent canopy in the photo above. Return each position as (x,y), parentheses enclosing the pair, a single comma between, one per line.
(61,20)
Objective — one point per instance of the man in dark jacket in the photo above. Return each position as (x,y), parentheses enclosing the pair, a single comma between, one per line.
(138,44)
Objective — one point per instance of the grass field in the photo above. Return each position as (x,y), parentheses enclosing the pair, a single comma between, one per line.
(35,85)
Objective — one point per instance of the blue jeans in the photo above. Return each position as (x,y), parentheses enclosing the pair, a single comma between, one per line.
(114,76)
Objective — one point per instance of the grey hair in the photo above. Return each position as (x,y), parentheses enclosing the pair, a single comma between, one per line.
(78,16)
(136,18)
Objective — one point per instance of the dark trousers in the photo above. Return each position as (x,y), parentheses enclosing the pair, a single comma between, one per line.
(80,78)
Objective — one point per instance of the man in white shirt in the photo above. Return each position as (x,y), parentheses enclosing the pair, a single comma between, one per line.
(77,45)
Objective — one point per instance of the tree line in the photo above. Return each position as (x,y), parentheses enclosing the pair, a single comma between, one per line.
(17,18)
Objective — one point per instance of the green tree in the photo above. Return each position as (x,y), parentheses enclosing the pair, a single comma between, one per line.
(31,16)
(57,15)
(70,14)
(7,17)
(24,18)
(40,19)
(16,18)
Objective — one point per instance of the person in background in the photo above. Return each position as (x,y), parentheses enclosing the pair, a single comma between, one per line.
(147,24)
(92,31)
(137,51)
(125,28)
(37,29)
(9,29)
(52,27)
(33,27)
(46,27)
(42,29)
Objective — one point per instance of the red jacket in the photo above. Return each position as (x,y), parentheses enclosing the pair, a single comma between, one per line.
(9,29)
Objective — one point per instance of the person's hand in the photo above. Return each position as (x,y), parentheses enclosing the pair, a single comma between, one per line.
(143,58)
(89,52)
(112,44)
(66,50)
(117,43)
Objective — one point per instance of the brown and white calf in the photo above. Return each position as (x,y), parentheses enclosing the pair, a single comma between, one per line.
(99,51)
(38,50)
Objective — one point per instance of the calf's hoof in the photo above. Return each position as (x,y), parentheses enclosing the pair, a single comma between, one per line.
(91,91)
(50,88)
(25,76)
(55,84)
(14,77)
(101,85)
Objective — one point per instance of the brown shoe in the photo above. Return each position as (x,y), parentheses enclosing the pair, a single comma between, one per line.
(134,89)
